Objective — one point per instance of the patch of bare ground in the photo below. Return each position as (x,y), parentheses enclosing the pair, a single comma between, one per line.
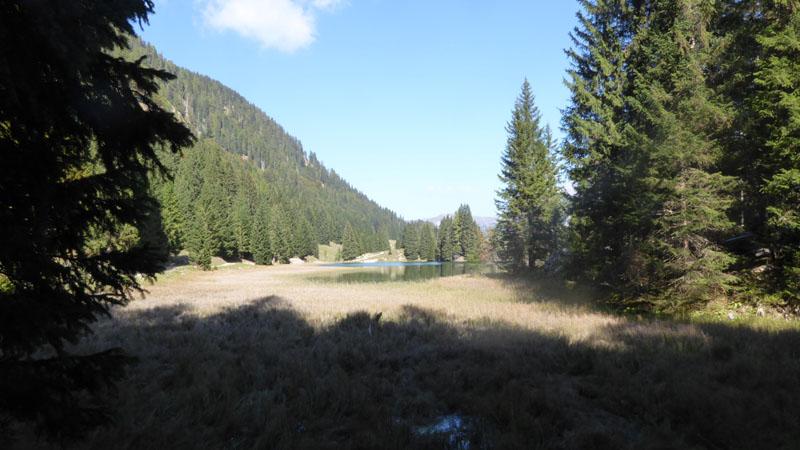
(266,358)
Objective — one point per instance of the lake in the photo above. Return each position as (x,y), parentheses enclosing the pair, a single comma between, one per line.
(398,271)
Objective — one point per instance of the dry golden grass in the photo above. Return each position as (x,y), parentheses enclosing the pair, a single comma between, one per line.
(463,298)
(256,357)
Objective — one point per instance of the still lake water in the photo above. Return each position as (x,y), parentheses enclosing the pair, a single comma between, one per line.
(397,271)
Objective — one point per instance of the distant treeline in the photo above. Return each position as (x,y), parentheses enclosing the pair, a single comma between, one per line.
(247,188)
(683,146)
(457,237)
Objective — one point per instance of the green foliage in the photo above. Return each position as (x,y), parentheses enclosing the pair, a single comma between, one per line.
(689,199)
(260,241)
(446,245)
(411,240)
(683,132)
(280,234)
(594,150)
(173,220)
(351,247)
(528,202)
(466,234)
(458,237)
(79,131)
(763,142)
(242,222)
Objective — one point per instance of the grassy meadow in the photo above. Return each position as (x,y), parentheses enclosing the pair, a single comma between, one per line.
(263,357)
(331,253)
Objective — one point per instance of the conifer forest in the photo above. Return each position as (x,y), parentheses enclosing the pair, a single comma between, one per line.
(682,147)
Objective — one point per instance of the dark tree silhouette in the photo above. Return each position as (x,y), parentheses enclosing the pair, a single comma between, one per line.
(78,133)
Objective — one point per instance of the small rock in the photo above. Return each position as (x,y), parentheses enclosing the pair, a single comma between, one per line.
(762,252)
(731,316)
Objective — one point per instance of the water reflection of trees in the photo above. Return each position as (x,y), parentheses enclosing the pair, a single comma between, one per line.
(411,272)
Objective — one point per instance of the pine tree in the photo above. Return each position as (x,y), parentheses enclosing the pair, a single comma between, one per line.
(597,149)
(210,226)
(428,242)
(280,234)
(241,223)
(172,217)
(260,240)
(760,77)
(651,205)
(446,245)
(351,248)
(189,179)
(80,129)
(526,202)
(465,232)
(411,241)
(305,243)
(676,112)
(329,232)
(217,192)
(363,241)
(290,219)
(203,241)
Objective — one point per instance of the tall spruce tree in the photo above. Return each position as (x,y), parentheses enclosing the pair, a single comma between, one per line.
(597,149)
(172,217)
(446,246)
(79,131)
(465,232)
(643,148)
(411,241)
(210,228)
(530,193)
(241,223)
(351,247)
(428,242)
(305,243)
(677,116)
(777,105)
(203,241)
(760,77)
(280,234)
(260,238)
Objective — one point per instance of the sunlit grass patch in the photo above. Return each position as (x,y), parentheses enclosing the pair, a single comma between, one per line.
(330,252)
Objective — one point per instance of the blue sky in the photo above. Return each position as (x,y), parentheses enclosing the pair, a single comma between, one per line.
(407,100)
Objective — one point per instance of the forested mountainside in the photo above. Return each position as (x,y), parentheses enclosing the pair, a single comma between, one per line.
(247,187)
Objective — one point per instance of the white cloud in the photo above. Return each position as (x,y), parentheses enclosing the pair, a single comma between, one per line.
(326,4)
(286,25)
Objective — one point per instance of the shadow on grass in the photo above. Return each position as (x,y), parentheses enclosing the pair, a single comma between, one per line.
(552,290)
(259,376)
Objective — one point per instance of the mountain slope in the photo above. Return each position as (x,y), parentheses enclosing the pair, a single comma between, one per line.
(243,163)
